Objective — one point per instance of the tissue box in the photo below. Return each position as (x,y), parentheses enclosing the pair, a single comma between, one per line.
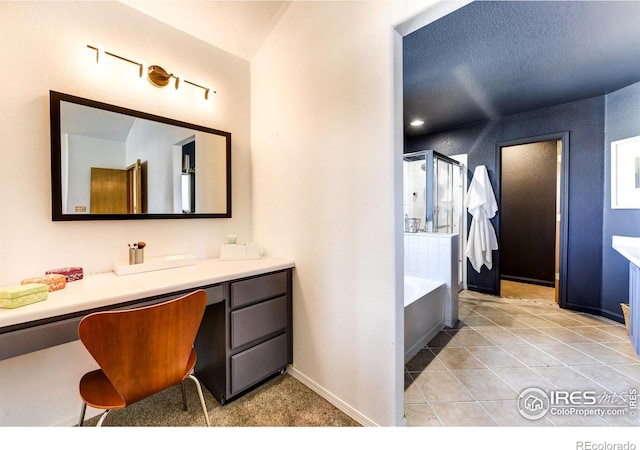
(229,252)
(23,294)
(54,281)
(71,273)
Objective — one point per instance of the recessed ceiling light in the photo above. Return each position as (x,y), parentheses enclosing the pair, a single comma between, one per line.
(417,123)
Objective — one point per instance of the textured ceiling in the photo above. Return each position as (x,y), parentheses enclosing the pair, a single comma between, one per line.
(491,59)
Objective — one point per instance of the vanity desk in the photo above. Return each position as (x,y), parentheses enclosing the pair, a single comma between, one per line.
(245,335)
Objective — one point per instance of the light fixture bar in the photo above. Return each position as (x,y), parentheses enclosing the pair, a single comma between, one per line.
(151,67)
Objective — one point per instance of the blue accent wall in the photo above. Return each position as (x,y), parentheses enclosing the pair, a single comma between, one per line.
(585,122)
(622,121)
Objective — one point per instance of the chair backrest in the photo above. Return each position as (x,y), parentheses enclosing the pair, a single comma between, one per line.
(144,350)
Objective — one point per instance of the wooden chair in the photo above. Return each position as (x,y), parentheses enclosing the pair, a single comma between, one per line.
(140,352)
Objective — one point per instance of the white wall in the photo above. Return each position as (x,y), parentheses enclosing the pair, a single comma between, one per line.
(43,47)
(326,159)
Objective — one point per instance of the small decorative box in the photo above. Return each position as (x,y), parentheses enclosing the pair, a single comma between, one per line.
(231,252)
(55,281)
(23,294)
(71,273)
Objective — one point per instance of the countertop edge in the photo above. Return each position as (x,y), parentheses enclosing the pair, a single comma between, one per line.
(104,289)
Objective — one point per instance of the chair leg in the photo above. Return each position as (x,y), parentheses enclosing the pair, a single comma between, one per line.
(104,416)
(184,396)
(204,407)
(83,410)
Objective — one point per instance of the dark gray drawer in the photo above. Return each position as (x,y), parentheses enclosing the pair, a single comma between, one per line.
(256,321)
(257,363)
(31,339)
(260,288)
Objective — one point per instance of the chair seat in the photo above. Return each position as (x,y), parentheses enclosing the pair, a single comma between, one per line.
(97,391)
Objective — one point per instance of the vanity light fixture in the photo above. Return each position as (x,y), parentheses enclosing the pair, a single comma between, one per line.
(156,75)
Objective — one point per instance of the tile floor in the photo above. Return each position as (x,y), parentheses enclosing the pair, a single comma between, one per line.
(472,375)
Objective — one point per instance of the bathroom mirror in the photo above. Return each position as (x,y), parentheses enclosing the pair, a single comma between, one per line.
(109,162)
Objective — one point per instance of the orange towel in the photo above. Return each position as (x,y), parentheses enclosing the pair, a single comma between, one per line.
(54,281)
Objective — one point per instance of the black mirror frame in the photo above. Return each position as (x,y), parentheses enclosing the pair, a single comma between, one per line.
(56,176)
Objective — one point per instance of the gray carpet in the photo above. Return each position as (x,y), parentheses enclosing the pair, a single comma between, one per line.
(280,402)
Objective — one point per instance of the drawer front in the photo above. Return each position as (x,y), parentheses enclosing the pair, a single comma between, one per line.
(31,339)
(256,321)
(215,294)
(259,288)
(257,363)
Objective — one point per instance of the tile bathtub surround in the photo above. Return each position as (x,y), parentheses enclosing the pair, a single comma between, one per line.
(471,375)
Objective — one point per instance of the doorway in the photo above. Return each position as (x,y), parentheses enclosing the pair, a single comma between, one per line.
(533,175)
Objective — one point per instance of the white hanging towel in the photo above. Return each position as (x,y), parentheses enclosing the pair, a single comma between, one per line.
(481,204)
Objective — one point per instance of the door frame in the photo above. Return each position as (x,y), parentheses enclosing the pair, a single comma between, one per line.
(564,204)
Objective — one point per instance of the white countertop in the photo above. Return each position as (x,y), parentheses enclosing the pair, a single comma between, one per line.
(629,247)
(95,291)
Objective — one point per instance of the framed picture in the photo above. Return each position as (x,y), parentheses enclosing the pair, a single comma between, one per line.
(625,173)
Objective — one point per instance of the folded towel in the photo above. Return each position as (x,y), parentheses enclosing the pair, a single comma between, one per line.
(71,273)
(24,294)
(55,281)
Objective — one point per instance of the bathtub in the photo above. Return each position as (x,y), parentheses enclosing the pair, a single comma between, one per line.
(424,306)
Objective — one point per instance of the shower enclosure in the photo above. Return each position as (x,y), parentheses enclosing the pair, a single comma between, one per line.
(433,192)
(433,187)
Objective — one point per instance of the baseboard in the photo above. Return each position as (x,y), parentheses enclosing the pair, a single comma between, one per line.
(528,280)
(328,396)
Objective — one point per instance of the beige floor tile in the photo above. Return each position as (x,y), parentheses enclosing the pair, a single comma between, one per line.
(460,414)
(485,310)
(508,321)
(500,336)
(609,378)
(441,387)
(617,330)
(458,358)
(565,378)
(532,356)
(588,319)
(424,360)
(596,334)
(565,335)
(630,370)
(495,357)
(603,353)
(483,384)
(537,321)
(510,309)
(466,338)
(420,416)
(626,348)
(535,337)
(568,355)
(539,309)
(478,321)
(563,320)
(520,379)
(411,392)
(505,414)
